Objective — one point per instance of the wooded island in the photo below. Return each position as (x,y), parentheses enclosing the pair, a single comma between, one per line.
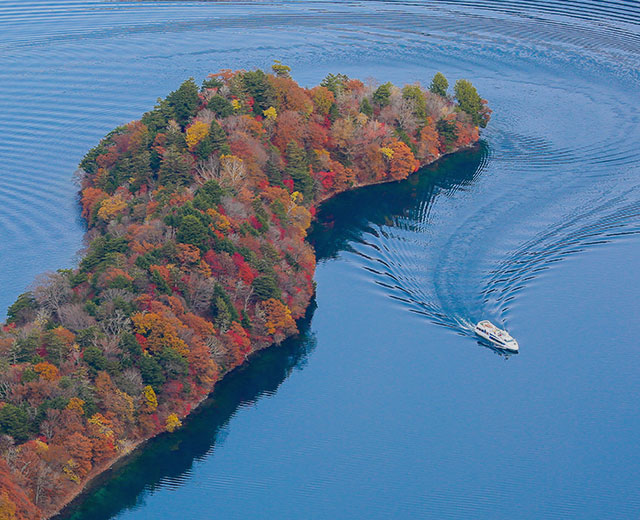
(196,258)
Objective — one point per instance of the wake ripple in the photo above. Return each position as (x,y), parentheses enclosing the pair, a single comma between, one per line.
(72,70)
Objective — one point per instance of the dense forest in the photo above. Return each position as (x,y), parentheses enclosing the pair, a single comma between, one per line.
(196,257)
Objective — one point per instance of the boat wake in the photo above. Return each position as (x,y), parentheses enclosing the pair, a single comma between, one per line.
(455,262)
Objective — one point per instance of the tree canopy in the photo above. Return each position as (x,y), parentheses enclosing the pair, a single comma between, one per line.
(197,216)
(470,102)
(439,84)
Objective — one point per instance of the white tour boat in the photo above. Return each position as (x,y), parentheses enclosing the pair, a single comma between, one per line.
(501,338)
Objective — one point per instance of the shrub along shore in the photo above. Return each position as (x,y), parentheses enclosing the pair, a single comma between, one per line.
(196,257)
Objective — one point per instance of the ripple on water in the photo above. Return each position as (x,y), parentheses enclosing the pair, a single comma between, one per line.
(557,176)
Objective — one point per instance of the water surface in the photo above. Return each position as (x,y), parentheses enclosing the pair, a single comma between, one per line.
(385,406)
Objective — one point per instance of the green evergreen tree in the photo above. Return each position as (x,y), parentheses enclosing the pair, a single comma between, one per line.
(265,287)
(57,350)
(366,108)
(192,231)
(246,321)
(208,195)
(298,169)
(256,84)
(175,139)
(204,148)
(130,345)
(157,119)
(211,83)
(95,358)
(140,170)
(24,349)
(14,421)
(220,313)
(273,173)
(334,112)
(151,372)
(404,137)
(184,102)
(335,82)
(218,138)
(175,168)
(222,308)
(447,131)
(102,252)
(22,309)
(414,94)
(174,365)
(382,94)
(470,102)
(161,284)
(220,106)
(439,84)
(155,160)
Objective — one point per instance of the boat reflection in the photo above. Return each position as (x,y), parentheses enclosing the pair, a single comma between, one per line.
(506,354)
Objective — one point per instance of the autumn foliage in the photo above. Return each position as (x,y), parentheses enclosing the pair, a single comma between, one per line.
(196,258)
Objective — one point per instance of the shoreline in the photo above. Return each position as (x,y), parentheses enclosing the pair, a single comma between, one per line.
(102,472)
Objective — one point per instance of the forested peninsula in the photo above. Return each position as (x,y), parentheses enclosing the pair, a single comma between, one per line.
(196,258)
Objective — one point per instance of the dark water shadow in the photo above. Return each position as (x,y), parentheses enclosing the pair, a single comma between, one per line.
(340,221)
(169,456)
(506,354)
(343,219)
(383,226)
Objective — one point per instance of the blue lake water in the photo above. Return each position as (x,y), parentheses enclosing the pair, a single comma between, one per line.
(385,406)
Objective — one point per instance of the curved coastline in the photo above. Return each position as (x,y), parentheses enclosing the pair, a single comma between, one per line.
(106,210)
(102,474)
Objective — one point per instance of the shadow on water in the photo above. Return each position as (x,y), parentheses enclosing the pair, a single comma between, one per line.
(170,457)
(344,219)
(341,221)
(388,228)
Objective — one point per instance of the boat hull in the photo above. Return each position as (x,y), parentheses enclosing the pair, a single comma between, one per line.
(513,347)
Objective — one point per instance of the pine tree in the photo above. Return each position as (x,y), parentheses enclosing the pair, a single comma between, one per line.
(470,102)
(175,167)
(192,231)
(15,422)
(184,101)
(335,82)
(366,108)
(447,131)
(298,169)
(258,87)
(222,308)
(439,84)
(218,138)
(414,94)
(204,148)
(382,94)
(221,106)
(273,173)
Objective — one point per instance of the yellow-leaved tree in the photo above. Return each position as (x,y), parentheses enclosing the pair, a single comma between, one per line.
(111,207)
(172,423)
(150,400)
(159,332)
(387,152)
(196,133)
(270,113)
(76,404)
(278,317)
